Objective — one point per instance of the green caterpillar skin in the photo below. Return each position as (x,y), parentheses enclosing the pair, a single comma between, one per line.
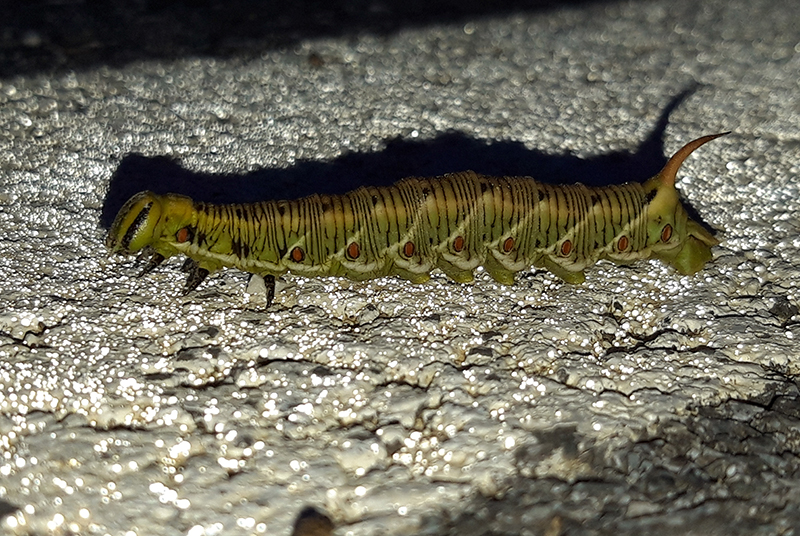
(455,223)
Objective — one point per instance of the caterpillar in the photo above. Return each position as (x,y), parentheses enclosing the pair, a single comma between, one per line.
(455,222)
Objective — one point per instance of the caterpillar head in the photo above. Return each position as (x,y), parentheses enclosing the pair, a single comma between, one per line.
(149,219)
(672,235)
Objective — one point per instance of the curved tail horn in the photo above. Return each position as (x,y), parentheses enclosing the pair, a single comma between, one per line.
(670,171)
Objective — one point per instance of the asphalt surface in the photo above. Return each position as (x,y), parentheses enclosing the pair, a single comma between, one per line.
(641,402)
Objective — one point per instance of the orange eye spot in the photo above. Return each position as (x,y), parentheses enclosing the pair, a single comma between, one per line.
(623,243)
(666,233)
(458,244)
(298,254)
(566,247)
(408,249)
(508,245)
(183,235)
(353,251)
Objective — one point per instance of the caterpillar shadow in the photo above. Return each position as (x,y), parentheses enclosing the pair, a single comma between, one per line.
(450,152)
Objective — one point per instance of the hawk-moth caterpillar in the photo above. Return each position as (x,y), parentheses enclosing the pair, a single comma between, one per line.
(456,223)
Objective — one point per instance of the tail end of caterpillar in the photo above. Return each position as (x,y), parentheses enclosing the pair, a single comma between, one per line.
(673,236)
(695,251)
(667,175)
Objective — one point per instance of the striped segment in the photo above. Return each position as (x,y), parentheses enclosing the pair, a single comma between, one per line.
(456,223)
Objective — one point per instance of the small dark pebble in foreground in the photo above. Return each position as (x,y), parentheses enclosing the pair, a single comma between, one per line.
(312,522)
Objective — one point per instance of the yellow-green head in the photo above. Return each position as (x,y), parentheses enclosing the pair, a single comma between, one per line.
(149,219)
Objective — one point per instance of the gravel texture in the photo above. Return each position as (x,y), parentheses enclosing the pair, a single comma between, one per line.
(641,402)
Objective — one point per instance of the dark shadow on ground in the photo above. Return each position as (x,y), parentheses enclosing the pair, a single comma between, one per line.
(718,470)
(49,36)
(447,153)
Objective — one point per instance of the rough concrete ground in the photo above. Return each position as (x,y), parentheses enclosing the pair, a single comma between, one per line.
(641,402)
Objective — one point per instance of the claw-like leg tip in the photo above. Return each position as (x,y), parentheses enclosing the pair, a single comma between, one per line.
(154,261)
(269,282)
(188,266)
(196,276)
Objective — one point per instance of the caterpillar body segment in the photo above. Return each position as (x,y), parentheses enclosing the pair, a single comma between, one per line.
(456,223)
